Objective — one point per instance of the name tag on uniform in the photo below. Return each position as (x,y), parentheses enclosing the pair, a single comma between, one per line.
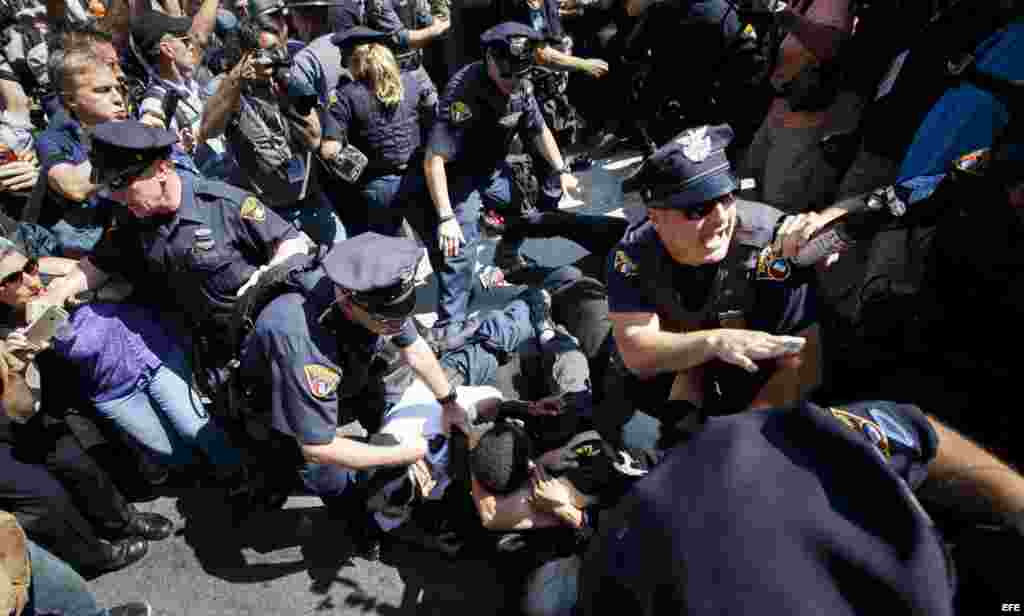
(296,171)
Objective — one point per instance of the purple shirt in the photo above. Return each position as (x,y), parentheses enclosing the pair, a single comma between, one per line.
(113,345)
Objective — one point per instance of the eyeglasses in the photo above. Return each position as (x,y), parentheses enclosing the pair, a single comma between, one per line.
(701,210)
(31,267)
(388,321)
(186,40)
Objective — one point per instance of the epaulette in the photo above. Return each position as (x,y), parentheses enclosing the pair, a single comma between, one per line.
(221,190)
(755,223)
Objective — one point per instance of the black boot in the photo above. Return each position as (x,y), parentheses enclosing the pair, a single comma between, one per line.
(145,525)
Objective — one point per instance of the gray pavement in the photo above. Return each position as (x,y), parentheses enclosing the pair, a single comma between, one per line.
(298,561)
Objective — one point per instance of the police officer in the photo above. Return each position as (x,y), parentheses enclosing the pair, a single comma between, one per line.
(379,117)
(318,67)
(690,300)
(412,28)
(195,243)
(828,507)
(484,104)
(314,353)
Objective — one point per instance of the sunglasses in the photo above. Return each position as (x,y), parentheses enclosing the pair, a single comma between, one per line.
(187,40)
(701,210)
(31,267)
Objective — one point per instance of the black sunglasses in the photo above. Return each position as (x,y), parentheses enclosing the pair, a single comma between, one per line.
(31,267)
(701,210)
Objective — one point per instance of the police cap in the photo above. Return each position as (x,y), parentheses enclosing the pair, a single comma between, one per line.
(259,8)
(149,28)
(379,271)
(122,150)
(299,4)
(690,169)
(358,35)
(513,43)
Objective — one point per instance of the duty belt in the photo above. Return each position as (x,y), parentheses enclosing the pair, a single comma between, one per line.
(379,172)
(410,60)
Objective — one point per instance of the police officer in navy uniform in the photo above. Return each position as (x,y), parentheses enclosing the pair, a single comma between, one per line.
(314,352)
(797,511)
(193,242)
(693,304)
(383,114)
(483,106)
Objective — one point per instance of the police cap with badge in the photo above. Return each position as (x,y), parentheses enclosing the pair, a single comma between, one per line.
(511,45)
(688,173)
(378,271)
(123,150)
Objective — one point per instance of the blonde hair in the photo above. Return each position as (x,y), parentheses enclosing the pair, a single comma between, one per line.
(375,64)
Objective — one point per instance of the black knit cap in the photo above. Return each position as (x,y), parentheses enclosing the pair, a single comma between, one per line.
(501,460)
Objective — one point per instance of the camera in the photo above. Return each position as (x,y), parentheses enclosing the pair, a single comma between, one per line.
(274,58)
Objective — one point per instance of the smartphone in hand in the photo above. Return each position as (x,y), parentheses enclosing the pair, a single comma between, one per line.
(45,327)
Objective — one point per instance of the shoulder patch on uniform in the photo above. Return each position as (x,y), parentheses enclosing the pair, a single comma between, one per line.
(894,429)
(869,429)
(771,268)
(625,265)
(322,381)
(460,112)
(253,210)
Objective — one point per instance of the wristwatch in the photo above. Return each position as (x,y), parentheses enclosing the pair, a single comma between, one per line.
(451,397)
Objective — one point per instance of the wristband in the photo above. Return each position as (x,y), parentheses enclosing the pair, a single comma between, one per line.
(451,397)
(445,219)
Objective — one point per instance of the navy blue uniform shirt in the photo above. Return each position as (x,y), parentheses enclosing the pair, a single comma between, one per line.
(642,277)
(62,142)
(786,512)
(398,17)
(387,136)
(308,361)
(200,255)
(476,122)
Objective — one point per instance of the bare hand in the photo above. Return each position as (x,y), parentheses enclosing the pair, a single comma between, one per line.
(18,175)
(187,139)
(552,405)
(570,183)
(547,494)
(450,238)
(795,232)
(595,68)
(329,148)
(453,415)
(22,347)
(441,26)
(742,347)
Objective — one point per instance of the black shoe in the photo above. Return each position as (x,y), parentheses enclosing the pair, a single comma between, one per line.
(120,554)
(137,608)
(151,526)
(511,260)
(366,538)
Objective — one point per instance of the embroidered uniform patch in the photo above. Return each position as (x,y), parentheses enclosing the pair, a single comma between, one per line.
(460,112)
(323,381)
(625,265)
(253,210)
(771,268)
(869,429)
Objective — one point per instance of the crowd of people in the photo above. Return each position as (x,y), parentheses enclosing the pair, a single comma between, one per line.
(213,221)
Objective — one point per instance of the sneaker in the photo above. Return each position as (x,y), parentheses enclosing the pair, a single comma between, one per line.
(492,223)
(136,608)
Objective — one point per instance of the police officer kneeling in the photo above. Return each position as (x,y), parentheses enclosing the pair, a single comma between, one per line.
(310,354)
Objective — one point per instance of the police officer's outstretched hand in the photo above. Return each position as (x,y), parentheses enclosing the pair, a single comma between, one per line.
(595,67)
(795,231)
(570,183)
(450,237)
(742,347)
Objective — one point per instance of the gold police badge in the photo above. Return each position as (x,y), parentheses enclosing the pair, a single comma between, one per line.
(322,381)
(460,112)
(625,265)
(869,429)
(253,210)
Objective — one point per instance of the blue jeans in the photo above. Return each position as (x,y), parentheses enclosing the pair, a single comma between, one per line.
(315,216)
(455,275)
(388,197)
(56,588)
(501,331)
(165,415)
(75,241)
